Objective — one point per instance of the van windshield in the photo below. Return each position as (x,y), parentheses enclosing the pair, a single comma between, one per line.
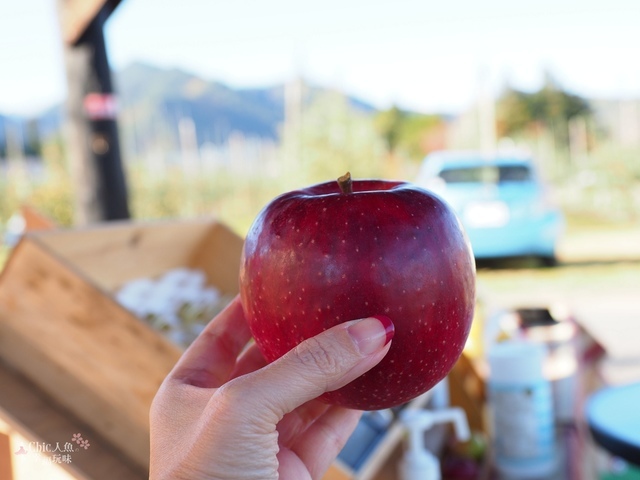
(487,174)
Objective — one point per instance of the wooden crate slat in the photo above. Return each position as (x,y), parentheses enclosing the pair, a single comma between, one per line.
(218,255)
(114,254)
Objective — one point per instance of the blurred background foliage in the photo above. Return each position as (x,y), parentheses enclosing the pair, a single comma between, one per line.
(592,167)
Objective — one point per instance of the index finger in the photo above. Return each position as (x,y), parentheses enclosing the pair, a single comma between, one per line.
(210,359)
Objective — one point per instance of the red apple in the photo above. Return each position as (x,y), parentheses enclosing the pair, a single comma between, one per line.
(340,251)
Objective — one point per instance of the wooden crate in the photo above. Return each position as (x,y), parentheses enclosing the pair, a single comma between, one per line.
(62,330)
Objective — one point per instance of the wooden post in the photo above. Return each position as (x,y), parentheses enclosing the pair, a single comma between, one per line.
(92,132)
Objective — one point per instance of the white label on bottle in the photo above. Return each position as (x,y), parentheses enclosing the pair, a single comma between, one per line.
(522,421)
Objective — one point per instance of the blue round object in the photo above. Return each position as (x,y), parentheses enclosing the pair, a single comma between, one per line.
(613,416)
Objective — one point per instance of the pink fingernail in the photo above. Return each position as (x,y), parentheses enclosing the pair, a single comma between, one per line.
(371,334)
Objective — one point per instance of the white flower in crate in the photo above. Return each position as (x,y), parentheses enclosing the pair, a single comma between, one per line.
(178,304)
(134,295)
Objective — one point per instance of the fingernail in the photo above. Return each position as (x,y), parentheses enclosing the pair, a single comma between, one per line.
(371,334)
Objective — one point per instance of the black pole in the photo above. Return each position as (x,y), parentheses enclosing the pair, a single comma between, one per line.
(93,132)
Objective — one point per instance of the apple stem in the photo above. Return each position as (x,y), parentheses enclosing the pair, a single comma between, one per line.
(345,183)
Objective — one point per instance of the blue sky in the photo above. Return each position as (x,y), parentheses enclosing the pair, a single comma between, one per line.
(422,55)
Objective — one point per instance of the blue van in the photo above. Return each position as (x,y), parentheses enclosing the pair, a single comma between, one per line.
(501,201)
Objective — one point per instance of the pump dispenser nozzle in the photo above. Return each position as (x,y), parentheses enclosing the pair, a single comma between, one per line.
(418,462)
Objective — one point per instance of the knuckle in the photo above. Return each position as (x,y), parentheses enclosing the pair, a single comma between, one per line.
(319,356)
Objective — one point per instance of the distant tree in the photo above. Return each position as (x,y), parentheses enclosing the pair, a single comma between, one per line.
(389,125)
(514,112)
(409,133)
(420,134)
(334,138)
(551,107)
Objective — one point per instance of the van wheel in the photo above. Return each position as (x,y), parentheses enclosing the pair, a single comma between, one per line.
(548,261)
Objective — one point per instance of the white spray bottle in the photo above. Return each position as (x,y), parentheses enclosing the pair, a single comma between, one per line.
(418,462)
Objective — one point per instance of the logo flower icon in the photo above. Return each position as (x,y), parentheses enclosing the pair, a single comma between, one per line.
(84,444)
(77,437)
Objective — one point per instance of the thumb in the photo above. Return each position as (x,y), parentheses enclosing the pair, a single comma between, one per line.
(320,364)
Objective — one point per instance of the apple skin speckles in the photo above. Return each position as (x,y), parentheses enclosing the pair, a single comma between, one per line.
(386,248)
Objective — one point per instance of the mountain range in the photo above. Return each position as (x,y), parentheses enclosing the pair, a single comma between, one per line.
(153,101)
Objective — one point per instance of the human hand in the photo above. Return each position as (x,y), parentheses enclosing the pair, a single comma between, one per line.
(223,413)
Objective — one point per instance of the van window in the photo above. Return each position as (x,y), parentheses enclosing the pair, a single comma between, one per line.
(515,173)
(487,174)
